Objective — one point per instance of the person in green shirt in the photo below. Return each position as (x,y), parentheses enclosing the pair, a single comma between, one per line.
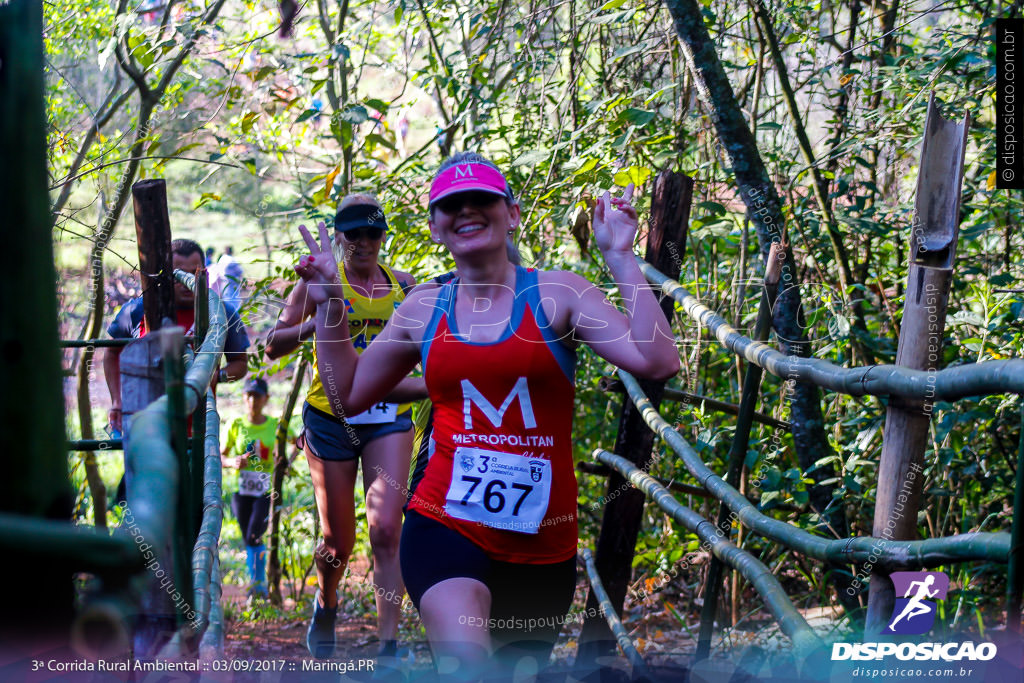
(247,448)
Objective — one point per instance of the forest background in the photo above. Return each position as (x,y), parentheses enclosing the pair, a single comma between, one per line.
(256,134)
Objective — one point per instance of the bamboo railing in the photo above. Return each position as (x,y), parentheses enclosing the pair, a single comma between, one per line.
(990,377)
(165,472)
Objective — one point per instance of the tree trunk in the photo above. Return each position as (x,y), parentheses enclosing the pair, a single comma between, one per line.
(97,489)
(765,212)
(280,467)
(623,513)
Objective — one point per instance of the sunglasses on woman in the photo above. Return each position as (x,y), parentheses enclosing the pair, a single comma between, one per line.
(354,234)
(452,204)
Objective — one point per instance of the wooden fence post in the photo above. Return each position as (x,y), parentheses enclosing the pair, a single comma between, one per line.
(142,379)
(153,230)
(142,382)
(623,513)
(935,229)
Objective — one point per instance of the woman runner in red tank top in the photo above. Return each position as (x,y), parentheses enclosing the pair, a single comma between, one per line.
(501,473)
(490,537)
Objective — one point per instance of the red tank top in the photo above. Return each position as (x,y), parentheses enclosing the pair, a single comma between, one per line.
(501,472)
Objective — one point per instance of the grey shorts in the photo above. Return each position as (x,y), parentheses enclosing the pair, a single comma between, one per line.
(331,438)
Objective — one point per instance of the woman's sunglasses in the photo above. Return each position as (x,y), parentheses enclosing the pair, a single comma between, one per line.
(452,204)
(354,234)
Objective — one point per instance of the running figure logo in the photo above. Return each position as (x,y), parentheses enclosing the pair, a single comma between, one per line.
(914,611)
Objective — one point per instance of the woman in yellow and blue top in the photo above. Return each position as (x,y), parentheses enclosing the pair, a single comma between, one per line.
(381,436)
(248,449)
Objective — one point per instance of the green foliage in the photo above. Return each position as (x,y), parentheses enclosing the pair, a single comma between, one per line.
(571,99)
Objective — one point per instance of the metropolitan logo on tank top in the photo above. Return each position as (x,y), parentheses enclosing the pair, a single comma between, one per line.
(471,396)
(495,488)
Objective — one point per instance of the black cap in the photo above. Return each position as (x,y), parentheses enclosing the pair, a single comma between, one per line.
(358,216)
(256,385)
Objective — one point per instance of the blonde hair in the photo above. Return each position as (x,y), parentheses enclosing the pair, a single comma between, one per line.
(358,199)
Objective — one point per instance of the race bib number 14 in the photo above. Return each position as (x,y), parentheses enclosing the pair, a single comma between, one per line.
(379,413)
(499,490)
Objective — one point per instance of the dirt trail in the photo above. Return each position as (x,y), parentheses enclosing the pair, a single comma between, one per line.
(254,634)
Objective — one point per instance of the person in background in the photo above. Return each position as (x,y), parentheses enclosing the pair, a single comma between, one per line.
(248,449)
(403,134)
(227,278)
(130,323)
(235,289)
(379,437)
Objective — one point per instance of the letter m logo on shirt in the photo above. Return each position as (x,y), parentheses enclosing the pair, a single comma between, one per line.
(471,394)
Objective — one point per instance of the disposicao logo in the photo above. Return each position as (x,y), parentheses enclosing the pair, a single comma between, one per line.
(914,612)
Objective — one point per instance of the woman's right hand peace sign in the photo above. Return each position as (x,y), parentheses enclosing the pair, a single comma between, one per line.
(319,269)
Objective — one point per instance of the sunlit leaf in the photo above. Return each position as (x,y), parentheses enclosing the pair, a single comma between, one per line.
(634,174)
(248,121)
(329,180)
(205,199)
(531,158)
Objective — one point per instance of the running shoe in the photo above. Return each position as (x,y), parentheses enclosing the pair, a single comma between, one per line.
(257,593)
(320,636)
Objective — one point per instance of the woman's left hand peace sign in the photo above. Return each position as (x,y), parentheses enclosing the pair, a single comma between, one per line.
(319,269)
(615,223)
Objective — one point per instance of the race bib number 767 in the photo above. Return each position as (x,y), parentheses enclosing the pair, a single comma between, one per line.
(499,490)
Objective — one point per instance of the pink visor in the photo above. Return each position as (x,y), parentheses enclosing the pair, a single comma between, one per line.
(467,177)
